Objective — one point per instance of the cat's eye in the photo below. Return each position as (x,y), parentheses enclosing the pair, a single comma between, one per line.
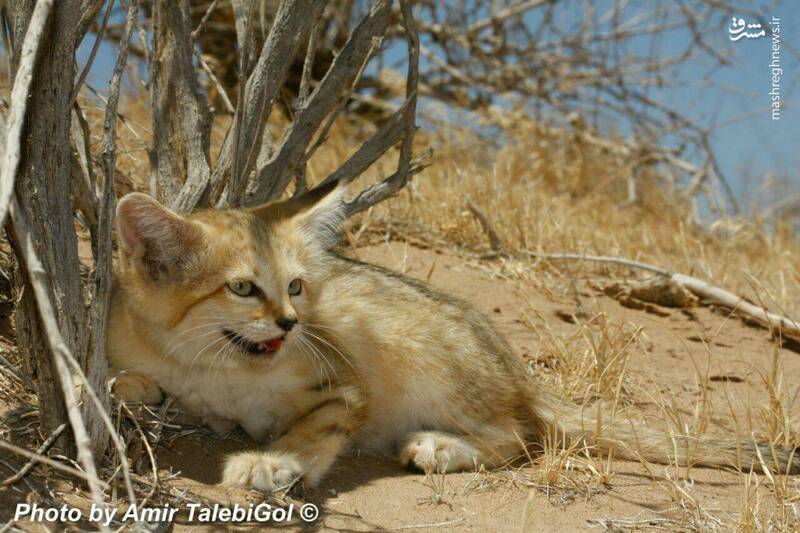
(295,287)
(242,288)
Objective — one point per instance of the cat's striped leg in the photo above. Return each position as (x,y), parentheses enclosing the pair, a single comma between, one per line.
(306,450)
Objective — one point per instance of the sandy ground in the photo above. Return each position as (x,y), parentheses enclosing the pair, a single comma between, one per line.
(369,493)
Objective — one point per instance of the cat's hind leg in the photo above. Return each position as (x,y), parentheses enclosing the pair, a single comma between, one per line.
(441,452)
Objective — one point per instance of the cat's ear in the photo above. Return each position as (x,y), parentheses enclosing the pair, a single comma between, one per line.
(319,214)
(161,240)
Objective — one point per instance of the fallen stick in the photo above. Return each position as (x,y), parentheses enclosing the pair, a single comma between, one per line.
(39,458)
(495,243)
(698,287)
(30,464)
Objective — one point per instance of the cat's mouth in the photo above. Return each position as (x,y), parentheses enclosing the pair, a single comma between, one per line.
(260,347)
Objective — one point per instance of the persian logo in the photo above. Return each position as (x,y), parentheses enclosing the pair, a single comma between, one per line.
(737,30)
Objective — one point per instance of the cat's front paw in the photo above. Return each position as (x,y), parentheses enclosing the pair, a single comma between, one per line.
(130,387)
(435,452)
(265,472)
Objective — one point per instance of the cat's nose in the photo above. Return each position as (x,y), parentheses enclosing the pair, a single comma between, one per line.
(286,324)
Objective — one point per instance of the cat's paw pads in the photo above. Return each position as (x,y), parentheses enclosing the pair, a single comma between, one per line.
(135,388)
(265,472)
(434,452)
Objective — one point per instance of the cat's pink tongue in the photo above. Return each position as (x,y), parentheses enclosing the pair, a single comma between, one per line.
(272,345)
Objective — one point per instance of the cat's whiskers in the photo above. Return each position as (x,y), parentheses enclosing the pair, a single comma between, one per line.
(229,319)
(206,347)
(330,329)
(333,347)
(308,350)
(227,355)
(191,341)
(200,322)
(321,354)
(225,347)
(177,341)
(330,386)
(178,336)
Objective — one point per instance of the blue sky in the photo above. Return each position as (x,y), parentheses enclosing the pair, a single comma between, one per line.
(751,147)
(753,150)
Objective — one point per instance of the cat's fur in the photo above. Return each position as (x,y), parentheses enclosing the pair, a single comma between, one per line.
(376,359)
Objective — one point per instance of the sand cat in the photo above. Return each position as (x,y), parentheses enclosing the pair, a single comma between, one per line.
(252,317)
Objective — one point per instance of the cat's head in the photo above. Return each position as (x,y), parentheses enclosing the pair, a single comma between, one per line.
(227,288)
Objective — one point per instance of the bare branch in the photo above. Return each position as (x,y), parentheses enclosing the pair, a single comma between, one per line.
(244,15)
(301,182)
(394,183)
(511,11)
(388,187)
(37,277)
(290,28)
(19,103)
(83,184)
(109,425)
(22,472)
(323,134)
(203,21)
(244,36)
(308,64)
(220,89)
(96,46)
(273,179)
(42,193)
(411,92)
(97,365)
(180,117)
(39,458)
(390,134)
(89,11)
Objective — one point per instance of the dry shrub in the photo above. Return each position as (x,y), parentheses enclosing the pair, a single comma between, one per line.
(545,191)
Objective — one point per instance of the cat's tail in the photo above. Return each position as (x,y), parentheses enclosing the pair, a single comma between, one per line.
(598,427)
